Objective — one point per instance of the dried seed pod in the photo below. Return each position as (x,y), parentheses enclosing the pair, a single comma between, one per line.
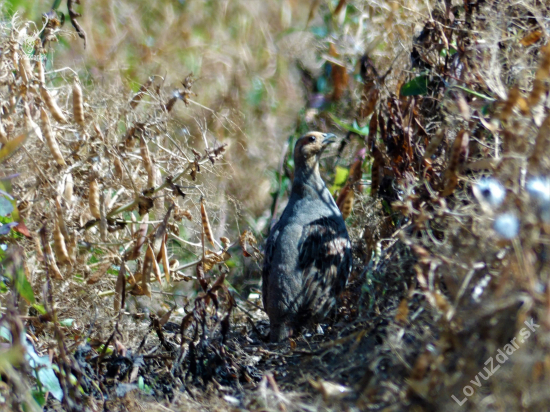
(345,201)
(433,145)
(50,138)
(59,216)
(72,246)
(120,288)
(25,70)
(156,271)
(147,163)
(93,199)
(31,125)
(3,134)
(513,97)
(99,132)
(376,173)
(541,145)
(78,107)
(119,171)
(147,266)
(59,244)
(41,75)
(206,224)
(52,106)
(165,263)
(69,187)
(55,272)
(451,178)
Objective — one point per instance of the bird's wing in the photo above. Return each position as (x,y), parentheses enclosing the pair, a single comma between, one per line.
(268,259)
(325,260)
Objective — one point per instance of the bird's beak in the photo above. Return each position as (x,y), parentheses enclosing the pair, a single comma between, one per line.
(328,138)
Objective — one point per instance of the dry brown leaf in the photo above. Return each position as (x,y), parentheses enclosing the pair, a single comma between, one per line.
(531,38)
(100,272)
(141,93)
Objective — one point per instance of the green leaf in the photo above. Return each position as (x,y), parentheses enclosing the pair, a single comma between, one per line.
(361,132)
(39,308)
(339,179)
(39,397)
(24,287)
(473,92)
(66,322)
(417,86)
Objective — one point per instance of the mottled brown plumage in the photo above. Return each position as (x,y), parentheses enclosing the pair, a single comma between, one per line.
(308,255)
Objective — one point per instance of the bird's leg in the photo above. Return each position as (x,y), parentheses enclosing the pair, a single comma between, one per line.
(280,332)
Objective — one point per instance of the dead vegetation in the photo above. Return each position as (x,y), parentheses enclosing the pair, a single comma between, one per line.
(107,206)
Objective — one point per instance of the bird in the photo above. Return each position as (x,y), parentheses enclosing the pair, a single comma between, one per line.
(308,255)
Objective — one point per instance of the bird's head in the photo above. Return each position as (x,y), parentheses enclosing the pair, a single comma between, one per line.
(307,151)
(311,145)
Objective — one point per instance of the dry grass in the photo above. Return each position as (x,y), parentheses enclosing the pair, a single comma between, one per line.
(438,288)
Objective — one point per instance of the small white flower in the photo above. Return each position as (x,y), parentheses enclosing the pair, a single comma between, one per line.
(489,191)
(539,189)
(507,225)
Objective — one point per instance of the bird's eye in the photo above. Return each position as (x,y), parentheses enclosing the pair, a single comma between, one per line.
(312,139)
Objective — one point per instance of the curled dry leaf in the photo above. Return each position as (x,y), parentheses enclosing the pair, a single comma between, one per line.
(247,240)
(179,214)
(100,272)
(93,199)
(210,259)
(141,93)
(50,138)
(141,290)
(199,270)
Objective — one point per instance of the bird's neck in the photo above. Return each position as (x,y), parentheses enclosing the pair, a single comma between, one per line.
(307,178)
